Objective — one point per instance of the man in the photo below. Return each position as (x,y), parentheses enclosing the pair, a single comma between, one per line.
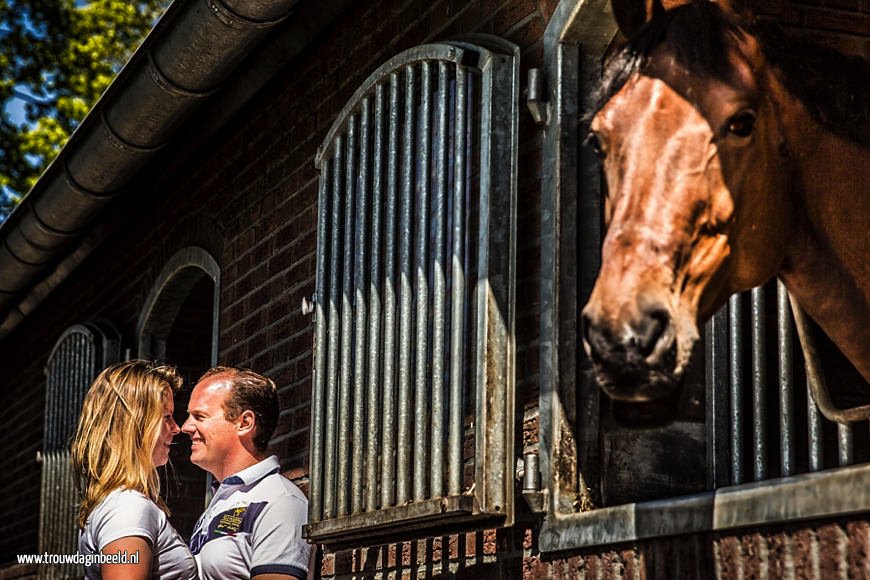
(253,526)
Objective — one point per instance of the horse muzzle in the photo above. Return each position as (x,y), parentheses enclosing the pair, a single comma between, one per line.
(636,362)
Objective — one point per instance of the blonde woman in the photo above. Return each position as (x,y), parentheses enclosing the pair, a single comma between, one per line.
(123,435)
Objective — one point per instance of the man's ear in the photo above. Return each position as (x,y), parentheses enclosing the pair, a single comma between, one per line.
(246,422)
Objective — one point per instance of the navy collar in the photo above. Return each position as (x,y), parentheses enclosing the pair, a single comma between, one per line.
(251,474)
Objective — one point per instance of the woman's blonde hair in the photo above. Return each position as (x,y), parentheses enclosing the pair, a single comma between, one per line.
(118,428)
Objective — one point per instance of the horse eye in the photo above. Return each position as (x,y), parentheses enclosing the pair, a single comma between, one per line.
(742,124)
(593,141)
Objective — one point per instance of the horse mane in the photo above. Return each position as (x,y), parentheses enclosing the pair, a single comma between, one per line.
(831,85)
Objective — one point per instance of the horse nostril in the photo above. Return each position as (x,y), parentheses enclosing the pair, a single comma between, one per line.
(593,335)
(649,334)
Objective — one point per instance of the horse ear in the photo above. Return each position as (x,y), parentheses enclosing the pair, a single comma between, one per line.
(631,15)
(737,7)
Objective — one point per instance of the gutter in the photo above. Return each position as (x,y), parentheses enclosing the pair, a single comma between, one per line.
(188,55)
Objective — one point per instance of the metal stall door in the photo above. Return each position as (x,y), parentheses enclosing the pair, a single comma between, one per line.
(80,353)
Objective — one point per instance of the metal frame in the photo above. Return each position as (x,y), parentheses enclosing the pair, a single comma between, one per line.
(78,355)
(570,238)
(574,42)
(762,503)
(403,326)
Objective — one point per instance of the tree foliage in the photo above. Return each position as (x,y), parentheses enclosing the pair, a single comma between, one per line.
(57,57)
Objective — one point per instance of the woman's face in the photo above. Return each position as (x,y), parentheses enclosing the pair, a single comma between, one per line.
(168,430)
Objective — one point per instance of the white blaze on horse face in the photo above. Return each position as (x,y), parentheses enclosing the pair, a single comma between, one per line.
(666,237)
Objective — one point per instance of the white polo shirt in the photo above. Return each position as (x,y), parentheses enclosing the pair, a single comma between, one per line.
(253,525)
(125,513)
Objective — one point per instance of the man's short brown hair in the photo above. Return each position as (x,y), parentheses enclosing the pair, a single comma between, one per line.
(253,392)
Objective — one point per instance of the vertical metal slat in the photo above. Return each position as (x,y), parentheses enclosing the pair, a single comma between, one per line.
(388,458)
(759,383)
(457,289)
(361,252)
(320,356)
(718,447)
(814,433)
(736,349)
(844,444)
(344,393)
(786,380)
(421,395)
(333,327)
(403,461)
(375,353)
(439,287)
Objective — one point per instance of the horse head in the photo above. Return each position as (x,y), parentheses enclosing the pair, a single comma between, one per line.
(692,152)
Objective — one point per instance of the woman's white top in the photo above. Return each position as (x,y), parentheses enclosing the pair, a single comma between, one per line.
(126,513)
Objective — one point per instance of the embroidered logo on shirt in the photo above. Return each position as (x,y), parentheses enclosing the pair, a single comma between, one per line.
(231,521)
(236,520)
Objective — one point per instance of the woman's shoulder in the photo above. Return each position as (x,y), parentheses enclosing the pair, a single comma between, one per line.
(123,513)
(128,499)
(130,506)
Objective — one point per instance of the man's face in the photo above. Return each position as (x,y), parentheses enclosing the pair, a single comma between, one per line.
(212,436)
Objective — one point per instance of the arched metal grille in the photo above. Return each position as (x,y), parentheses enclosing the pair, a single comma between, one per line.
(80,353)
(413,363)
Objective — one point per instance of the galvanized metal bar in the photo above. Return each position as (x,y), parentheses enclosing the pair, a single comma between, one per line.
(457,288)
(759,384)
(797,498)
(845,453)
(375,353)
(318,396)
(814,434)
(406,315)
(344,391)
(439,284)
(76,363)
(333,332)
(73,353)
(421,271)
(52,375)
(786,381)
(388,454)
(716,358)
(57,407)
(361,253)
(736,349)
(60,411)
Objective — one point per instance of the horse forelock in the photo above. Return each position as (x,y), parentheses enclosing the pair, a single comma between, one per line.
(696,34)
(831,85)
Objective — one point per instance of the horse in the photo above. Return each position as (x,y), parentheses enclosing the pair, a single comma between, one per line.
(731,153)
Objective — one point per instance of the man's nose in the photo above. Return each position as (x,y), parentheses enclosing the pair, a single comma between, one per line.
(187,427)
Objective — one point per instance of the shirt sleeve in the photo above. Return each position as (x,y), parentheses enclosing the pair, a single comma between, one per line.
(126,514)
(277,544)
